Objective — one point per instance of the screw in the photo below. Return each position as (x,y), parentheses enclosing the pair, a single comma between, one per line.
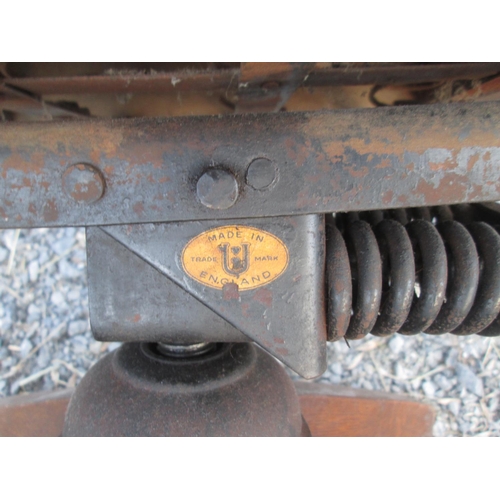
(217,188)
(261,173)
(83,182)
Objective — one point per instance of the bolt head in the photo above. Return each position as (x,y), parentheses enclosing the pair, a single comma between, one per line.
(261,174)
(83,183)
(217,188)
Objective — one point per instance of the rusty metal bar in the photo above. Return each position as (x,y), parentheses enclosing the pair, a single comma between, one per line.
(227,79)
(101,172)
(178,81)
(400,74)
(19,100)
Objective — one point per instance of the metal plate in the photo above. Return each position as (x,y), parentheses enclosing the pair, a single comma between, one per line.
(325,162)
(286,316)
(130,301)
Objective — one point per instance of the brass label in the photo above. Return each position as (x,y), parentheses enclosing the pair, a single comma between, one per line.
(244,255)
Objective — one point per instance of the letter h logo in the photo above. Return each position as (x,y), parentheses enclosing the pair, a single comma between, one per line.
(232,262)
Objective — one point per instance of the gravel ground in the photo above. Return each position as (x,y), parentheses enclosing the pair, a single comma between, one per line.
(45,341)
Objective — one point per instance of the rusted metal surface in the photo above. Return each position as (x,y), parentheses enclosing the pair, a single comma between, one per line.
(83,183)
(431,270)
(219,79)
(285,316)
(463,277)
(131,301)
(267,87)
(339,282)
(398,271)
(367,274)
(456,269)
(19,100)
(487,303)
(261,174)
(217,188)
(325,162)
(398,74)
(236,390)
(488,90)
(227,79)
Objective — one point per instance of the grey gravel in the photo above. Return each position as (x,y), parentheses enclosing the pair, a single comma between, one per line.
(3,254)
(469,380)
(44,324)
(429,389)
(396,344)
(77,327)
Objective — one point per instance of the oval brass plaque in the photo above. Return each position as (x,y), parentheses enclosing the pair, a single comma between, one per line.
(244,255)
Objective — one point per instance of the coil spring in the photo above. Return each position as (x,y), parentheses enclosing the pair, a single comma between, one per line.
(431,269)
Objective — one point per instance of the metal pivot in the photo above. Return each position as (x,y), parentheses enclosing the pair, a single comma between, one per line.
(143,389)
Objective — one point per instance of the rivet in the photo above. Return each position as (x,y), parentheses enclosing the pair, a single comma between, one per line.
(217,188)
(83,183)
(261,173)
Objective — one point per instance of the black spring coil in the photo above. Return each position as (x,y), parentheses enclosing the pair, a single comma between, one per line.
(431,269)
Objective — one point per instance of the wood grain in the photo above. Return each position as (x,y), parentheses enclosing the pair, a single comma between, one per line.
(39,414)
(341,411)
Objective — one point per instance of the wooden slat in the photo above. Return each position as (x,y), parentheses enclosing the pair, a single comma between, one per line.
(40,414)
(341,411)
